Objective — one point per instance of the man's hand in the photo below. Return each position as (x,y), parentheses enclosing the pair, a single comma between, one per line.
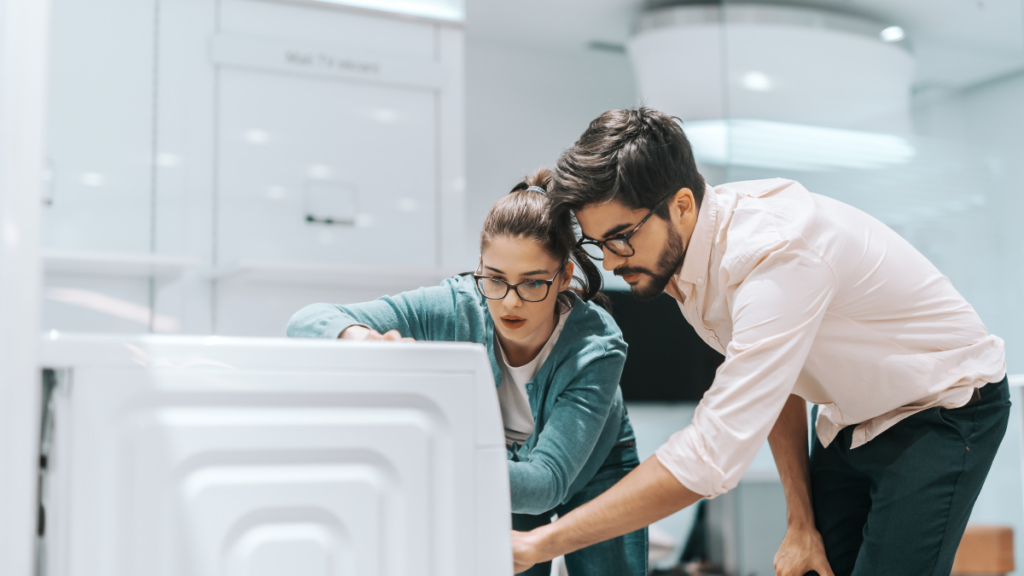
(647,494)
(802,551)
(356,332)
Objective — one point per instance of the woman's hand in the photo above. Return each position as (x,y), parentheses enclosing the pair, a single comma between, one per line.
(523,552)
(356,332)
(802,551)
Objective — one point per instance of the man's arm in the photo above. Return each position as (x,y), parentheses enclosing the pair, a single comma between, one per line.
(802,549)
(776,312)
(646,495)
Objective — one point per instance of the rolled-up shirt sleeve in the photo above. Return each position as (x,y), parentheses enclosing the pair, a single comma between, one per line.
(776,311)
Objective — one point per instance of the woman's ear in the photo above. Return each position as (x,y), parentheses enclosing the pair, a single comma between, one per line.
(567,271)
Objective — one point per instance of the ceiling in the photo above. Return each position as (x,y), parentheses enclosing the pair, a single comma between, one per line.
(956,43)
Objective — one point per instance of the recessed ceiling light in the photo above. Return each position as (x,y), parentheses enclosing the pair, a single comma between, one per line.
(256,136)
(757,81)
(892,34)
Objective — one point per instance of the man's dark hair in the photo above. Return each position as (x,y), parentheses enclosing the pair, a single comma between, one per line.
(637,157)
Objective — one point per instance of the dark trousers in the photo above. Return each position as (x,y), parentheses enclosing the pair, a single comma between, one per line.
(622,556)
(899,504)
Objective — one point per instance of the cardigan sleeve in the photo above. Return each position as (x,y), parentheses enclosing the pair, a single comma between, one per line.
(423,314)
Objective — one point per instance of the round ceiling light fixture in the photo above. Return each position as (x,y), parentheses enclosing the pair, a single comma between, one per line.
(892,34)
(777,86)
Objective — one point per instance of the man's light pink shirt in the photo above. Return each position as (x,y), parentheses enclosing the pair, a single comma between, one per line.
(806,295)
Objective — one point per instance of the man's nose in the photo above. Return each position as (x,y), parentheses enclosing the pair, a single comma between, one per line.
(612,260)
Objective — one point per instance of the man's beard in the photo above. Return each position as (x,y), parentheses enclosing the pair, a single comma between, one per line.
(669,261)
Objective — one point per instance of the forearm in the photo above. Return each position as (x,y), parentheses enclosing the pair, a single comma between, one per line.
(646,495)
(788,441)
(536,487)
(319,321)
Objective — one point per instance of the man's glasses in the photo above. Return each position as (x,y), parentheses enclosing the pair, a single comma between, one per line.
(494,288)
(618,245)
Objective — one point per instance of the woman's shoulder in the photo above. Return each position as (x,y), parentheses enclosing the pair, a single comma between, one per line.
(465,297)
(463,286)
(591,328)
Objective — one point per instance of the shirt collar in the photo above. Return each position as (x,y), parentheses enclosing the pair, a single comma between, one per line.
(698,254)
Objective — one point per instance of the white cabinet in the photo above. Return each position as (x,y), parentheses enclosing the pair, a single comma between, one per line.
(326,170)
(100,126)
(230,132)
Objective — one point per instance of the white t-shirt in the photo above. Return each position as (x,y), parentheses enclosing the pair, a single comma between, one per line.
(513,397)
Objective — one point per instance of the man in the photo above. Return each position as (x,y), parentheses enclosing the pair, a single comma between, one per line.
(809,299)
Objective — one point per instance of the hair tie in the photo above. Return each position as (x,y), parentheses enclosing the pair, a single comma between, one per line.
(538,189)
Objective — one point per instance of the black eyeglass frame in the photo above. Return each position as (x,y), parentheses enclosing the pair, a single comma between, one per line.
(602,244)
(478,277)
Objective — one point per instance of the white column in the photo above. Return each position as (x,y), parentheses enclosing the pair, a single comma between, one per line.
(24,26)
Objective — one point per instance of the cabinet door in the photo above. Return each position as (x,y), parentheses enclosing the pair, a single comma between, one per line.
(100,119)
(325,170)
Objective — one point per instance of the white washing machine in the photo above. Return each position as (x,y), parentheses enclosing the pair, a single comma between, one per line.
(210,456)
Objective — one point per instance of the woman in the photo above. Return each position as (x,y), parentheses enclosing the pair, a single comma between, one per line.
(556,356)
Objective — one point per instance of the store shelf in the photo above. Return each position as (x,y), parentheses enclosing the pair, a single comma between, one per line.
(160,266)
(290,272)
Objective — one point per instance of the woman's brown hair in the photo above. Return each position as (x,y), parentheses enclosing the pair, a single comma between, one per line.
(525,213)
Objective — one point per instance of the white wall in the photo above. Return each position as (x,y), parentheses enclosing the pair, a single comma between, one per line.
(524,105)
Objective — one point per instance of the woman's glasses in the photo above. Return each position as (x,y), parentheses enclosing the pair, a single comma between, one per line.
(494,288)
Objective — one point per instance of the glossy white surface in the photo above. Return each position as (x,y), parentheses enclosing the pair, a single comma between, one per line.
(223,456)
(285,137)
(160,266)
(24,29)
(180,141)
(24,46)
(445,10)
(100,126)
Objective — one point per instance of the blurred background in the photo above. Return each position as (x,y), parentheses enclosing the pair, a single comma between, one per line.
(214,165)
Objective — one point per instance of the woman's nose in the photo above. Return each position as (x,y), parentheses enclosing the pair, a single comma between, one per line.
(512,299)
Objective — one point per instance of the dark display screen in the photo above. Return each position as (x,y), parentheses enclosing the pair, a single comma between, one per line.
(667,360)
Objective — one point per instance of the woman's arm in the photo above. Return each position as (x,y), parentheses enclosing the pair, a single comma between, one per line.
(575,435)
(423,314)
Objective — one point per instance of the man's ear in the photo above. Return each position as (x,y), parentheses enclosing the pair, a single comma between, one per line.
(684,205)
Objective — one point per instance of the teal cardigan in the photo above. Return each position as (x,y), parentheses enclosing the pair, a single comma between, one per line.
(575,397)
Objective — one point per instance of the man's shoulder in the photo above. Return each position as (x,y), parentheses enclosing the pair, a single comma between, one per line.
(765,188)
(761,216)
